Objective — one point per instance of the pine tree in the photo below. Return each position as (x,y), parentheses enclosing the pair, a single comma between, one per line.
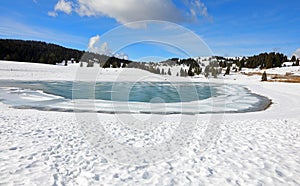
(158,70)
(185,73)
(214,72)
(162,71)
(206,71)
(197,70)
(181,72)
(297,62)
(169,72)
(190,71)
(293,59)
(269,63)
(7,57)
(227,71)
(264,76)
(115,65)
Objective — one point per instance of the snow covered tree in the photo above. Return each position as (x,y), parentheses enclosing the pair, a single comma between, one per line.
(181,72)
(214,72)
(158,70)
(197,70)
(162,71)
(190,71)
(297,62)
(185,73)
(206,71)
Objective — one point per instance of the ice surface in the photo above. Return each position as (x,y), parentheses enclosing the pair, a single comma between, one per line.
(226,99)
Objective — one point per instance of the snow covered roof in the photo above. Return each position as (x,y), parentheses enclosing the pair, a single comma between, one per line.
(287,64)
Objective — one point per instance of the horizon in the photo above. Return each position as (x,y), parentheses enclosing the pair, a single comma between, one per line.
(154,59)
(228,27)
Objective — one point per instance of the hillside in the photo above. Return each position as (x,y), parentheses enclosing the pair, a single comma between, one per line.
(210,66)
(36,51)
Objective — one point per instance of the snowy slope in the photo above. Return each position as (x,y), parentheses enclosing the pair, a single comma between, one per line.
(49,148)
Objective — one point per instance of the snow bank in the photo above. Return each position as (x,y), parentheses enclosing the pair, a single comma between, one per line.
(47,148)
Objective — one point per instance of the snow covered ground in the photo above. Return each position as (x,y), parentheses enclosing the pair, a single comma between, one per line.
(50,148)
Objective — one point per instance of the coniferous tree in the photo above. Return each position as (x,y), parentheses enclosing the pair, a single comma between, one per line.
(190,71)
(214,72)
(264,76)
(220,71)
(293,59)
(206,71)
(158,70)
(7,57)
(36,51)
(297,62)
(227,72)
(269,63)
(181,72)
(114,64)
(169,72)
(266,60)
(185,73)
(197,70)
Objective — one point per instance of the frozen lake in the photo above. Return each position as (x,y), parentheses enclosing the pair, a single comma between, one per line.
(131,97)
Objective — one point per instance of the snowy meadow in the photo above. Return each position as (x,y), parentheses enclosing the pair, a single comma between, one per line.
(247,132)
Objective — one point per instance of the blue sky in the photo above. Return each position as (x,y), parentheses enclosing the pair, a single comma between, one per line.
(228,27)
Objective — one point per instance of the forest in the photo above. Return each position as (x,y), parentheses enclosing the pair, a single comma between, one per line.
(41,52)
(36,51)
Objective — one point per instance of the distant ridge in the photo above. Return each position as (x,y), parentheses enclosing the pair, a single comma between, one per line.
(42,52)
(36,51)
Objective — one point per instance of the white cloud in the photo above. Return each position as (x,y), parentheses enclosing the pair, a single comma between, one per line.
(297,53)
(198,8)
(52,14)
(93,41)
(103,48)
(130,10)
(94,46)
(121,55)
(125,11)
(63,6)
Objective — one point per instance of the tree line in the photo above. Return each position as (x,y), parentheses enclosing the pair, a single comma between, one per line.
(266,60)
(36,51)
(41,52)
(263,60)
